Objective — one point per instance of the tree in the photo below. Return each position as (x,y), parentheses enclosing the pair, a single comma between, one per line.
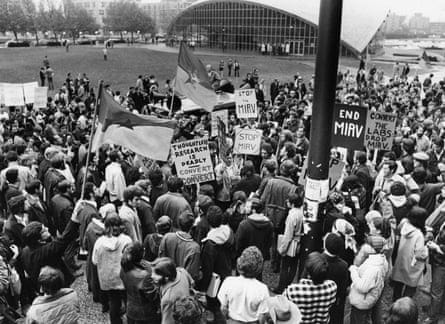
(12,17)
(50,18)
(78,19)
(127,16)
(30,12)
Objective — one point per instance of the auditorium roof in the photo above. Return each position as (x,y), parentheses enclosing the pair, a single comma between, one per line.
(360,22)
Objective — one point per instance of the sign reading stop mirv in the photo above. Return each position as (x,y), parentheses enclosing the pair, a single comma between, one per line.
(246,103)
(349,126)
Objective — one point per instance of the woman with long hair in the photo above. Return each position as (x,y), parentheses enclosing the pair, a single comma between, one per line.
(142,295)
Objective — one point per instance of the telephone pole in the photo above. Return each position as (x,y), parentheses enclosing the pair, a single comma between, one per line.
(317,183)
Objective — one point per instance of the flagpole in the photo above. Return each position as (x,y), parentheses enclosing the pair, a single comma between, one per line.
(99,94)
(170,113)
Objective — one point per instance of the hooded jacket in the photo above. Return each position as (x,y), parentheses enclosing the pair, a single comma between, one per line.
(411,256)
(107,255)
(256,230)
(368,281)
(216,254)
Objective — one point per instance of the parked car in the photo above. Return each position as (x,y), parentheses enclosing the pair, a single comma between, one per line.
(17,43)
(84,41)
(47,42)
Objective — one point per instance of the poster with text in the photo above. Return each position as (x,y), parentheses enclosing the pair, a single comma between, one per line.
(246,103)
(192,161)
(335,171)
(348,128)
(223,115)
(380,129)
(13,94)
(247,141)
(40,97)
(28,91)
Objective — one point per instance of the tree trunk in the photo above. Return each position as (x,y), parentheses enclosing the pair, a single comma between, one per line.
(132,38)
(37,37)
(15,35)
(122,36)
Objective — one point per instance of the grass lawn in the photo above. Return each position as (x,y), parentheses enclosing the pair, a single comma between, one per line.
(125,64)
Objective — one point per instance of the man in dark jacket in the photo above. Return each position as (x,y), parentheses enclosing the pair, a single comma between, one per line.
(216,256)
(54,176)
(337,272)
(16,221)
(61,205)
(250,181)
(12,186)
(144,209)
(361,170)
(256,230)
(36,208)
(428,191)
(274,198)
(41,251)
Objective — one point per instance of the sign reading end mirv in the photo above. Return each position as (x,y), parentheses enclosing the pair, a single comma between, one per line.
(349,126)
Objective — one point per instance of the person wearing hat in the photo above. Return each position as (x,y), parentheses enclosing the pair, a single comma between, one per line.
(368,281)
(153,240)
(334,246)
(241,296)
(279,310)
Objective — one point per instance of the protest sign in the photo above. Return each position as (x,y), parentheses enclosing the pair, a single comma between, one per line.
(335,170)
(28,91)
(13,94)
(348,128)
(223,115)
(247,141)
(380,129)
(192,161)
(246,103)
(40,97)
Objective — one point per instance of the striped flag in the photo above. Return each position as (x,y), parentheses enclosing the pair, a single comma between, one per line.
(193,81)
(144,135)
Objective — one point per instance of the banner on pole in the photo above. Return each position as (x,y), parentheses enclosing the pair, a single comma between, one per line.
(40,97)
(380,129)
(246,103)
(335,170)
(348,128)
(223,115)
(247,141)
(192,161)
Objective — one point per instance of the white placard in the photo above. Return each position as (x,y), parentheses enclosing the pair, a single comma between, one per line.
(13,94)
(316,190)
(28,91)
(40,97)
(246,103)
(192,161)
(247,141)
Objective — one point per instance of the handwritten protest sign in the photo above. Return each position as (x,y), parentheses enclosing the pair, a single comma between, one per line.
(40,97)
(192,161)
(348,128)
(246,103)
(223,115)
(380,129)
(247,141)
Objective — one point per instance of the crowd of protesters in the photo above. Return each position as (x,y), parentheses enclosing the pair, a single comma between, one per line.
(157,251)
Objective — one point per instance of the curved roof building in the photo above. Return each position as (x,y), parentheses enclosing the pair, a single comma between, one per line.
(278,26)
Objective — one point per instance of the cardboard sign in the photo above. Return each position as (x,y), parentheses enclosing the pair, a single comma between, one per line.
(380,129)
(349,126)
(335,171)
(40,97)
(28,91)
(223,115)
(192,161)
(246,103)
(13,94)
(247,141)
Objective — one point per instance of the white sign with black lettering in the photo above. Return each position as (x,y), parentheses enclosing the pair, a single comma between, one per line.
(247,141)
(246,103)
(192,161)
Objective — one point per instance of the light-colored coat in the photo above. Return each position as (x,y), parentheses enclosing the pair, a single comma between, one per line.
(411,256)
(131,222)
(115,181)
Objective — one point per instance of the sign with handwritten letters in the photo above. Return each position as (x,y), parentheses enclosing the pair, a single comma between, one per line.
(247,141)
(246,103)
(380,127)
(348,128)
(192,161)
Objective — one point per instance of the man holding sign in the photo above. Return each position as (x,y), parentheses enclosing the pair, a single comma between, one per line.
(246,103)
